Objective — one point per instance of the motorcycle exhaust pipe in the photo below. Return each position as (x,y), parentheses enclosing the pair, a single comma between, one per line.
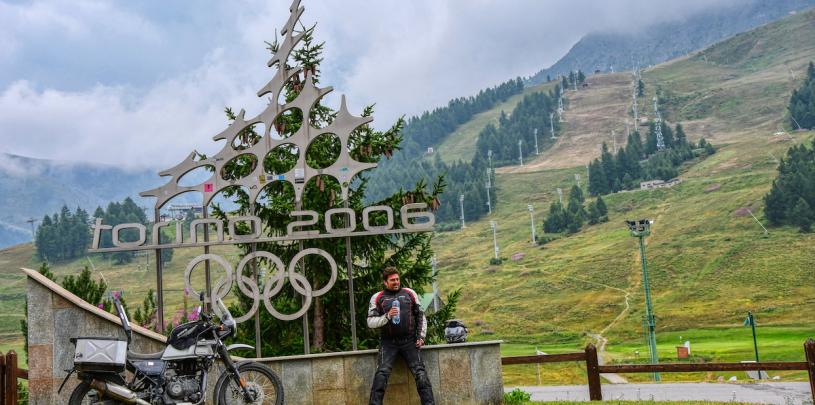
(117,392)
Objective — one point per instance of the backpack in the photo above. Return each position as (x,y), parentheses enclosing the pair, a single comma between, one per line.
(455,331)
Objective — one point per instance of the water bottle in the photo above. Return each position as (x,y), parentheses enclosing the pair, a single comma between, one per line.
(395,304)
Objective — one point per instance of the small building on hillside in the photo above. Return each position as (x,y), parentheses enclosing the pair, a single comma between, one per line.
(430,302)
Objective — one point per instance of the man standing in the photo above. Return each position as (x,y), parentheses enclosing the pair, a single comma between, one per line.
(404,337)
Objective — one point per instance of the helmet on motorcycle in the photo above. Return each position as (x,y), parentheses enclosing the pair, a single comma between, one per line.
(455,331)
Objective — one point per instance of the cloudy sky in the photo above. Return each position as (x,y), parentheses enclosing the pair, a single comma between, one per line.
(143,83)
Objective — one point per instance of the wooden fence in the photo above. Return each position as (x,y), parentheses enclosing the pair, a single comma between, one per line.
(9,373)
(594,368)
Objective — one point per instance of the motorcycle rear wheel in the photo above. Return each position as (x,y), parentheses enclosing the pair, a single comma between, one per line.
(258,377)
(85,395)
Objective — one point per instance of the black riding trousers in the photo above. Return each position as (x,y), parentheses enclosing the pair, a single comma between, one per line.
(389,349)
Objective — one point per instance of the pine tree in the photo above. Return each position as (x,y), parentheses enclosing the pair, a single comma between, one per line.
(410,253)
(802,102)
(598,183)
(555,221)
(576,194)
(602,209)
(802,215)
(680,138)
(593,213)
(640,88)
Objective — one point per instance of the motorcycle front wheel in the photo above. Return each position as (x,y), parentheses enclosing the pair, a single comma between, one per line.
(85,395)
(260,380)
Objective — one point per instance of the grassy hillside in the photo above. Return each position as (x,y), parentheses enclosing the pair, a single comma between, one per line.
(710,263)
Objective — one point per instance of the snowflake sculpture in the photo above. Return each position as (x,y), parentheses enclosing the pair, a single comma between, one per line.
(343,169)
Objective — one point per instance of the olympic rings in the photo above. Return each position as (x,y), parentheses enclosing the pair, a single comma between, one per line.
(273,282)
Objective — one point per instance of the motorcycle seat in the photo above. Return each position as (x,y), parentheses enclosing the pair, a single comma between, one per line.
(144,356)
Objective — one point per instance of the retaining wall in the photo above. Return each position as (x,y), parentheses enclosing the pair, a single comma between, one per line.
(468,373)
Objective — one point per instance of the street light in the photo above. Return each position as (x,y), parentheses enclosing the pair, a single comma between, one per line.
(532,219)
(640,229)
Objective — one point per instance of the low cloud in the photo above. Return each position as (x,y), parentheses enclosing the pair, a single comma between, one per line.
(406,57)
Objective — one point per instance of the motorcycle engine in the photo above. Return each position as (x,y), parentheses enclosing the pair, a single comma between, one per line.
(183,383)
(184,388)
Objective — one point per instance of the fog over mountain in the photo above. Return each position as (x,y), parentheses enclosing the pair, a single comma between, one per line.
(655,43)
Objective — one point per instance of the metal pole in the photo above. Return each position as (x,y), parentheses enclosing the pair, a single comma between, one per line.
(461,205)
(552,124)
(520,153)
(159,284)
(257,282)
(649,311)
(532,219)
(349,261)
(494,225)
(489,203)
(755,342)
(207,272)
(306,342)
(435,285)
(536,142)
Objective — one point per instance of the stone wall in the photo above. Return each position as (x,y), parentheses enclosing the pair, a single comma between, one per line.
(468,373)
(54,316)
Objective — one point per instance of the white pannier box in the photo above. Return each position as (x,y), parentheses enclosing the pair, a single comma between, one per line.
(100,354)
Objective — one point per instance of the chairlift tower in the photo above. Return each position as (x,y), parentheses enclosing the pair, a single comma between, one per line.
(658,126)
(552,125)
(536,142)
(560,195)
(640,229)
(31,221)
(634,107)
(532,220)
(520,152)
(461,205)
(488,186)
(614,140)
(494,226)
(560,106)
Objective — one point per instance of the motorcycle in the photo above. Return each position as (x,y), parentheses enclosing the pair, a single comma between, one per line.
(176,375)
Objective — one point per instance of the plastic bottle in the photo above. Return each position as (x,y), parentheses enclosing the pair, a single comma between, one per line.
(395,304)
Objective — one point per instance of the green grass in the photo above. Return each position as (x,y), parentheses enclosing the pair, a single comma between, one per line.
(641,403)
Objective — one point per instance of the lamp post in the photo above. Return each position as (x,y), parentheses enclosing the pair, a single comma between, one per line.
(532,219)
(640,229)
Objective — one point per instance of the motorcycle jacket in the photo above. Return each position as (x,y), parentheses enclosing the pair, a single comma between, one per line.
(412,322)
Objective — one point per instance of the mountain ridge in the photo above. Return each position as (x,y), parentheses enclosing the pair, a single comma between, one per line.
(660,42)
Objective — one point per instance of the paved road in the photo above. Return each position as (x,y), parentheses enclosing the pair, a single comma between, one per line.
(782,393)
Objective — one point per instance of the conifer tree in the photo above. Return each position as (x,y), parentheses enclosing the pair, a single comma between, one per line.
(802,215)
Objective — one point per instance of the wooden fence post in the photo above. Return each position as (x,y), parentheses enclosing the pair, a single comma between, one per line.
(593,371)
(11,378)
(2,379)
(809,350)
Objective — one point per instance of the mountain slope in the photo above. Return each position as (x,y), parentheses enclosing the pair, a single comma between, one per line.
(709,260)
(653,44)
(31,188)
